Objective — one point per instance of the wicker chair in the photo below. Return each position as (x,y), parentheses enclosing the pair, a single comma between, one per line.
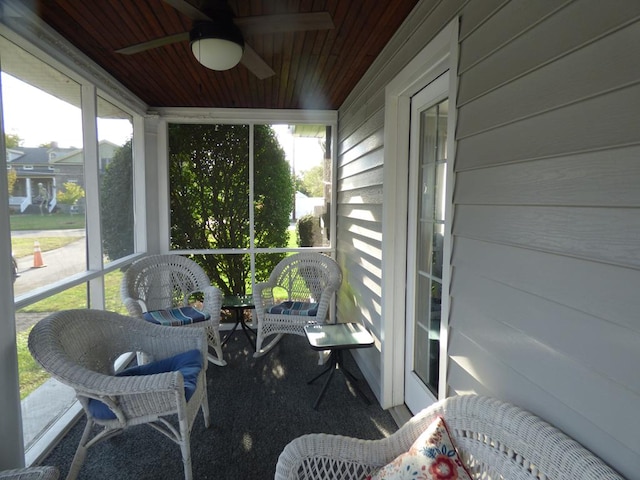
(161,282)
(308,278)
(31,473)
(79,349)
(496,440)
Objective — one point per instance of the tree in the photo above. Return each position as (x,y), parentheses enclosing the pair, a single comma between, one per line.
(12,140)
(71,194)
(12,177)
(313,181)
(209,198)
(116,204)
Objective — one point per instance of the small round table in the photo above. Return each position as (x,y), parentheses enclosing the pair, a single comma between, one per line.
(240,303)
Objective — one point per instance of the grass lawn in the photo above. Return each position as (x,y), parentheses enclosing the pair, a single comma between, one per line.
(23,247)
(30,373)
(55,221)
(76,297)
(293,238)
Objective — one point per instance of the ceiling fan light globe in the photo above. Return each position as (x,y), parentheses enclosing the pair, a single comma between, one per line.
(217,53)
(217,45)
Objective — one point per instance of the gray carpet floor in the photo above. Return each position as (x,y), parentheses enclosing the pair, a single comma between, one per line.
(257,406)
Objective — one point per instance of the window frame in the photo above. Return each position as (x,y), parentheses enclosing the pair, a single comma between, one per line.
(47,47)
(251,118)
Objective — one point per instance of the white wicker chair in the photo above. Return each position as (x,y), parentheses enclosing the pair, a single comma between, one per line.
(160,282)
(496,440)
(302,277)
(79,348)
(31,473)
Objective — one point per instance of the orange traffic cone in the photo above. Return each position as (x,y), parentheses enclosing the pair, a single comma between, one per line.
(37,256)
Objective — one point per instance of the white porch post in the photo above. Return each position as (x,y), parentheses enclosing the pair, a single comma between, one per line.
(11,443)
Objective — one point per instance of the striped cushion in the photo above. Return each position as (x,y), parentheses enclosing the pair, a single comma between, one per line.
(176,316)
(295,308)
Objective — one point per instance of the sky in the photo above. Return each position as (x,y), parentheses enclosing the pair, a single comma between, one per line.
(39,118)
(306,151)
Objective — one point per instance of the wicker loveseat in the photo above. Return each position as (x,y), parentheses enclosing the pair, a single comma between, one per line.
(496,440)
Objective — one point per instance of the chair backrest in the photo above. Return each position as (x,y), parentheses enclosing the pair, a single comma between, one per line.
(306,276)
(163,281)
(495,439)
(72,340)
(500,440)
(73,345)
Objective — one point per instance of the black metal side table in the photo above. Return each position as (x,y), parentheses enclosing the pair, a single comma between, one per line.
(336,338)
(240,303)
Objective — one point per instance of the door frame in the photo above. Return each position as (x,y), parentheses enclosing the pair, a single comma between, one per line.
(417,394)
(440,55)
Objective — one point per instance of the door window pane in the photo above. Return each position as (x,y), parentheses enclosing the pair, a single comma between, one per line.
(433,128)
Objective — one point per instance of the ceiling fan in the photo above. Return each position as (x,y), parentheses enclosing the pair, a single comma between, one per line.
(217,36)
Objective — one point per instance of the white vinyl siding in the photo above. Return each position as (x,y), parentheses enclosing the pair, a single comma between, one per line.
(546,252)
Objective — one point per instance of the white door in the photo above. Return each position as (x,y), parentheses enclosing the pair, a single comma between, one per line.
(426,233)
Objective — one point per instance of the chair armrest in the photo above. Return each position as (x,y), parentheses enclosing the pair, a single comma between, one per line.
(263,296)
(126,396)
(318,456)
(31,473)
(160,341)
(133,306)
(95,385)
(212,303)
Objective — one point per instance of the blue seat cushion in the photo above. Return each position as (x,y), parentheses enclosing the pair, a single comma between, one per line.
(308,309)
(176,316)
(188,363)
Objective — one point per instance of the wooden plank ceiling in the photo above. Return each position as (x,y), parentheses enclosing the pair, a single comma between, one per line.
(313,69)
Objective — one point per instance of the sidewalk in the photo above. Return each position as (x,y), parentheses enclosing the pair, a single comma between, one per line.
(75,232)
(60,263)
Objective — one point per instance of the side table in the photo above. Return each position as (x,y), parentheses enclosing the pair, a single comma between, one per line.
(240,303)
(336,338)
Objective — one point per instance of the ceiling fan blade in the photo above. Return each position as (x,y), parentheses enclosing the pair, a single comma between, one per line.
(188,10)
(255,63)
(289,22)
(158,42)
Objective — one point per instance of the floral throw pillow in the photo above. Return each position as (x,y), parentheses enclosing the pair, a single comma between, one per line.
(431,457)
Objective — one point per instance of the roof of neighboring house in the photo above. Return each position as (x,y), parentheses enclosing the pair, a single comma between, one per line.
(41,156)
(36,156)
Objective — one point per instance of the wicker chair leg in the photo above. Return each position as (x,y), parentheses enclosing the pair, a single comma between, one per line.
(81,452)
(205,411)
(213,337)
(260,350)
(185,449)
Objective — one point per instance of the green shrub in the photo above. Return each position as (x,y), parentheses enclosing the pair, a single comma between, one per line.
(306,228)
